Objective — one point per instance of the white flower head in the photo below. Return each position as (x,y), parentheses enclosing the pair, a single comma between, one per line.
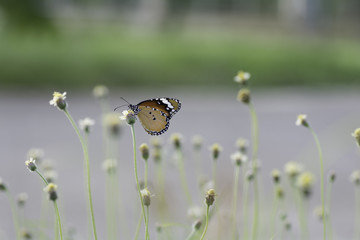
(242,77)
(100,92)
(356,135)
(86,124)
(128,116)
(31,164)
(302,120)
(355,177)
(238,158)
(58,100)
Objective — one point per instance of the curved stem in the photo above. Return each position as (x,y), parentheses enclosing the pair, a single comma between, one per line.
(322,180)
(87,166)
(55,207)
(245,208)
(255,140)
(206,223)
(137,178)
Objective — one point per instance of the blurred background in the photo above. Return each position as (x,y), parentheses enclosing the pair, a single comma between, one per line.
(158,43)
(303,56)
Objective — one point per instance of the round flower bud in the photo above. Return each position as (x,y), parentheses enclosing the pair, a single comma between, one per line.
(301,120)
(238,158)
(86,124)
(51,190)
(109,165)
(242,145)
(2,185)
(210,197)
(279,192)
(31,164)
(215,150)
(275,175)
(144,149)
(244,95)
(355,177)
(305,182)
(176,139)
(332,177)
(129,116)
(197,225)
(59,100)
(242,77)
(112,124)
(146,196)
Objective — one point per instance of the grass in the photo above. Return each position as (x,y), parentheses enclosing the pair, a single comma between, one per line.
(117,58)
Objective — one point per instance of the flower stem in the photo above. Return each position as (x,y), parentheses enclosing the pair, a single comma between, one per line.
(192,233)
(328,216)
(273,218)
(322,180)
(255,141)
(137,178)
(206,222)
(87,166)
(234,204)
(147,223)
(183,177)
(15,214)
(357,213)
(55,207)
(245,207)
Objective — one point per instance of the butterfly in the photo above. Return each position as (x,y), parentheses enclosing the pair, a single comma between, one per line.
(155,114)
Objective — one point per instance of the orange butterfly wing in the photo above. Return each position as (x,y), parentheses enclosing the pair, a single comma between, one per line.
(154,121)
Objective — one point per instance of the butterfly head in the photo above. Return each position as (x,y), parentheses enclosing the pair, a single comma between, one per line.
(134,108)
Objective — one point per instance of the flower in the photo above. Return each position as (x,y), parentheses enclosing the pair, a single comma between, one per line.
(275,173)
(109,165)
(210,197)
(293,169)
(144,149)
(100,92)
(195,212)
(128,116)
(176,139)
(21,199)
(244,95)
(215,150)
(2,185)
(332,176)
(146,195)
(305,182)
(156,142)
(197,142)
(197,225)
(50,175)
(31,164)
(301,120)
(318,212)
(355,177)
(242,145)
(356,135)
(238,158)
(86,124)
(59,100)
(112,123)
(279,192)
(36,153)
(51,190)
(242,77)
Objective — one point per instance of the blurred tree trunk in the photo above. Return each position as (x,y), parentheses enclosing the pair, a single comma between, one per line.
(26,15)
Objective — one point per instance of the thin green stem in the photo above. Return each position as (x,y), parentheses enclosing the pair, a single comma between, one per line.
(137,178)
(357,213)
(55,207)
(206,222)
(322,180)
(255,141)
(87,166)
(245,208)
(302,217)
(183,176)
(15,215)
(234,203)
(273,218)
(192,233)
(146,174)
(138,226)
(147,223)
(327,217)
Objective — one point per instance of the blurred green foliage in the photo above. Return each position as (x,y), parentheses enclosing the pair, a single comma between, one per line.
(85,58)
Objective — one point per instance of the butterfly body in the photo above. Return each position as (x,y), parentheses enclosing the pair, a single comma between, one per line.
(155,114)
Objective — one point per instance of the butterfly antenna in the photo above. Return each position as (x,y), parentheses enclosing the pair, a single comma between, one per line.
(125,100)
(119,107)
